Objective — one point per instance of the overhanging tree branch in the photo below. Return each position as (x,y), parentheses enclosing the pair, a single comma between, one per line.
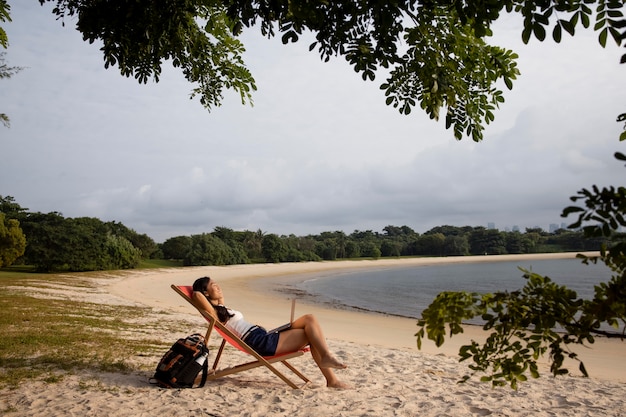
(138,36)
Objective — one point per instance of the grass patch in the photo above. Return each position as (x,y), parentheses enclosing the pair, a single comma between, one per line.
(159,263)
(16,271)
(46,336)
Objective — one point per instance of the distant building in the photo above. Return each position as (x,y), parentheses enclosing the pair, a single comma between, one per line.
(491,225)
(554,227)
(515,228)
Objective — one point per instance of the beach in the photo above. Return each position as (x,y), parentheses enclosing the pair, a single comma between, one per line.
(390,376)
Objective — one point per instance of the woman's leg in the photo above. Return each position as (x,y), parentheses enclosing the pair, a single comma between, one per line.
(331,379)
(306,330)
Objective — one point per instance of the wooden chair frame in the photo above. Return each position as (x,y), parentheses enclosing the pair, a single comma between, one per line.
(228,336)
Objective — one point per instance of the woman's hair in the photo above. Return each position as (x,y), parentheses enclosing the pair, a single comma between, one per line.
(201,285)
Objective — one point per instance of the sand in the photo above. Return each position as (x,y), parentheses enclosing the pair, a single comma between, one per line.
(391,377)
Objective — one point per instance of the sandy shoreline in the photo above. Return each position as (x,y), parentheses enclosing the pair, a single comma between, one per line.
(253,288)
(391,377)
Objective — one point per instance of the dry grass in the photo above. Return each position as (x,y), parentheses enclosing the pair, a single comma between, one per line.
(53,325)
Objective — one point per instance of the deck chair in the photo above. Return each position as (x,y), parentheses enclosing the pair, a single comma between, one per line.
(228,336)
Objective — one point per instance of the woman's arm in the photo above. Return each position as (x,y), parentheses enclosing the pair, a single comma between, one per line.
(201,303)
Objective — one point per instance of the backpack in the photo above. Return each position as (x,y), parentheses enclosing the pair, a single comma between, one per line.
(180,366)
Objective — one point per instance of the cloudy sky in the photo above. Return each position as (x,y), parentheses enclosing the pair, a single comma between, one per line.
(318,151)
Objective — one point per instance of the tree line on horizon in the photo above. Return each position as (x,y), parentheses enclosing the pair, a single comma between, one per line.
(51,242)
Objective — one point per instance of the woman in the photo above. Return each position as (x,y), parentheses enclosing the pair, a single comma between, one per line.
(306,330)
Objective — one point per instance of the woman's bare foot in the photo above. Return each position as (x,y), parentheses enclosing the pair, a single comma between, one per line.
(332,362)
(339,385)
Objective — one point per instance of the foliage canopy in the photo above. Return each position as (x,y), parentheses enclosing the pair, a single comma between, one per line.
(434,51)
(51,242)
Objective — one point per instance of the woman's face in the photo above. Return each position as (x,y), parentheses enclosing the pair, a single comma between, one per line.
(213,290)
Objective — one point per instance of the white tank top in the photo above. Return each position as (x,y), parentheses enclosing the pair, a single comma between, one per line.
(237,324)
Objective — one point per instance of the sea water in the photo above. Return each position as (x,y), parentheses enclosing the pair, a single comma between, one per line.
(407,291)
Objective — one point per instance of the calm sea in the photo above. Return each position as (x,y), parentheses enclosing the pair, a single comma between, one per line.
(407,291)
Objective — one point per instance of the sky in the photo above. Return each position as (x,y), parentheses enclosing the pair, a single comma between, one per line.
(318,151)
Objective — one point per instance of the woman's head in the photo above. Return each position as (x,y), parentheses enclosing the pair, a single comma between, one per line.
(209,288)
(212,292)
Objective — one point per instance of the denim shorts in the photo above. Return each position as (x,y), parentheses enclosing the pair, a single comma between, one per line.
(263,343)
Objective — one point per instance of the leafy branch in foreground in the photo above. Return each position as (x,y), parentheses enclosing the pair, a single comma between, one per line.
(5,70)
(542,317)
(139,36)
(434,51)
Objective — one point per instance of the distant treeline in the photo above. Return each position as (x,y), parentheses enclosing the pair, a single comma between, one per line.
(50,242)
(56,243)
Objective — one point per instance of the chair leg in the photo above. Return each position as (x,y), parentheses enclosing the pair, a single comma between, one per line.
(219,355)
(295,371)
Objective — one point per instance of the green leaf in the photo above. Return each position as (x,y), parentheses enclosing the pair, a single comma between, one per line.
(544,19)
(617,37)
(599,23)
(602,38)
(539,31)
(526,34)
(584,19)
(449,121)
(568,26)
(571,209)
(557,33)
(420,336)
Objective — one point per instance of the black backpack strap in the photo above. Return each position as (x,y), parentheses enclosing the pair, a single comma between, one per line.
(205,372)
